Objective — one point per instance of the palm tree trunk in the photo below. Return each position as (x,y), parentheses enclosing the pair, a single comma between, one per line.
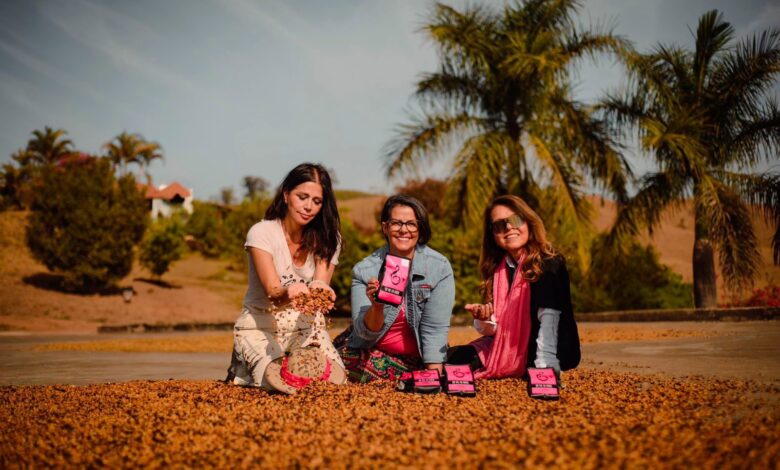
(705,294)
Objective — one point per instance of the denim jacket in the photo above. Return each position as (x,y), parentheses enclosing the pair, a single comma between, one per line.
(430,297)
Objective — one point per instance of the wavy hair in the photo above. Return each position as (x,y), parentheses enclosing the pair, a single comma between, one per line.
(321,236)
(537,249)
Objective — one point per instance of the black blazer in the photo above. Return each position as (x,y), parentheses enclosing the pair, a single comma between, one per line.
(552,290)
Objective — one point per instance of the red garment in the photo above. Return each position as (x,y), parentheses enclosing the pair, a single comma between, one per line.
(399,339)
(505,353)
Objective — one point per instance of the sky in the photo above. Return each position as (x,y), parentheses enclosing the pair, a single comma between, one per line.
(231,88)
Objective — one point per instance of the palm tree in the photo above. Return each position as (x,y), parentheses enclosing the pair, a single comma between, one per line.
(123,150)
(46,147)
(502,94)
(126,149)
(149,152)
(706,118)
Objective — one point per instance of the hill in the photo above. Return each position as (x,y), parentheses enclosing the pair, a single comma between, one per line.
(196,290)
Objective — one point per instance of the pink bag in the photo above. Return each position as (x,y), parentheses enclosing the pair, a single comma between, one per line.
(543,383)
(426,381)
(392,279)
(459,380)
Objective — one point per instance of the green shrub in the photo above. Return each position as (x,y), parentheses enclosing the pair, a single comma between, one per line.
(235,227)
(162,245)
(85,223)
(205,225)
(462,248)
(634,279)
(356,246)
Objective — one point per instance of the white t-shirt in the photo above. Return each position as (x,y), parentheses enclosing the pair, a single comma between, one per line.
(268,235)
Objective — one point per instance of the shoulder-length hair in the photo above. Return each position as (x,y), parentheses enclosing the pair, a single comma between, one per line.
(537,249)
(321,236)
(420,213)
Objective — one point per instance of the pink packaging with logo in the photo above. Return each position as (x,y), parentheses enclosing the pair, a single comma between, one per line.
(543,383)
(392,279)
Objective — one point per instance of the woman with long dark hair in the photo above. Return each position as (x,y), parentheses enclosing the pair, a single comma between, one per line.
(526,318)
(294,249)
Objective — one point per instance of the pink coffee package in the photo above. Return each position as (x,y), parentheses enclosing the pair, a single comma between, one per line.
(543,383)
(426,381)
(459,380)
(392,279)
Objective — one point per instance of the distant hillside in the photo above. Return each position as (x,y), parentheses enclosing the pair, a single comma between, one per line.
(362,211)
(674,240)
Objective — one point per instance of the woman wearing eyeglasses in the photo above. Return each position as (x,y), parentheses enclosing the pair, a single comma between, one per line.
(527,317)
(384,340)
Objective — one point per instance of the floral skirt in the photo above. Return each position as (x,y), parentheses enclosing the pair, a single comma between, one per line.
(365,365)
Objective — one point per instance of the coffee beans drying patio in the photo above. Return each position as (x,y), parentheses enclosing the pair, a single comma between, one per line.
(603,419)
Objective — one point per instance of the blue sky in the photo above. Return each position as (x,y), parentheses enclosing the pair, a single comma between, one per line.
(239,87)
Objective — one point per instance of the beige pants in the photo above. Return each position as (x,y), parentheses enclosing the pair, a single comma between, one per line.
(260,338)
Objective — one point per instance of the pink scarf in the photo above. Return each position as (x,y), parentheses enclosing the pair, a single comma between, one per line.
(504,354)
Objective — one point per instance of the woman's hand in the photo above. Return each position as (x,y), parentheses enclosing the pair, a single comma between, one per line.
(480,311)
(371,289)
(296,289)
(318,284)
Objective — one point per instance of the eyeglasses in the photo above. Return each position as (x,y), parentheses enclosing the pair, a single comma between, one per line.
(502,226)
(396,225)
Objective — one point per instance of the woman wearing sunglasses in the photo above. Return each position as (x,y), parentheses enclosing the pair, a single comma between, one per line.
(527,317)
(384,340)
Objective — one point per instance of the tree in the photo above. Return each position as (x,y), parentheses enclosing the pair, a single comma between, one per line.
(227,196)
(256,186)
(126,149)
(85,223)
(149,152)
(707,119)
(45,148)
(429,191)
(162,245)
(503,94)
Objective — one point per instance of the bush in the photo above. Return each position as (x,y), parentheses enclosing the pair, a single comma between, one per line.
(205,225)
(633,280)
(85,223)
(235,227)
(462,248)
(356,246)
(768,296)
(162,245)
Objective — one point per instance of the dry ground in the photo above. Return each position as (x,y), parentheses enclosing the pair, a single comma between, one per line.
(195,290)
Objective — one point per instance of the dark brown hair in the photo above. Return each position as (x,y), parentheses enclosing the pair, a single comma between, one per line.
(420,213)
(537,249)
(321,236)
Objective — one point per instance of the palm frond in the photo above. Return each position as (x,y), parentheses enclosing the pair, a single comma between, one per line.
(742,78)
(730,227)
(755,139)
(449,87)
(425,138)
(712,36)
(566,181)
(761,191)
(463,37)
(477,174)
(657,191)
(594,147)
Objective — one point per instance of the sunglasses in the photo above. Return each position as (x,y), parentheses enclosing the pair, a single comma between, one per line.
(502,226)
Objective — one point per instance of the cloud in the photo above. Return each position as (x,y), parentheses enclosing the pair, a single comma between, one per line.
(97,28)
(43,68)
(262,17)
